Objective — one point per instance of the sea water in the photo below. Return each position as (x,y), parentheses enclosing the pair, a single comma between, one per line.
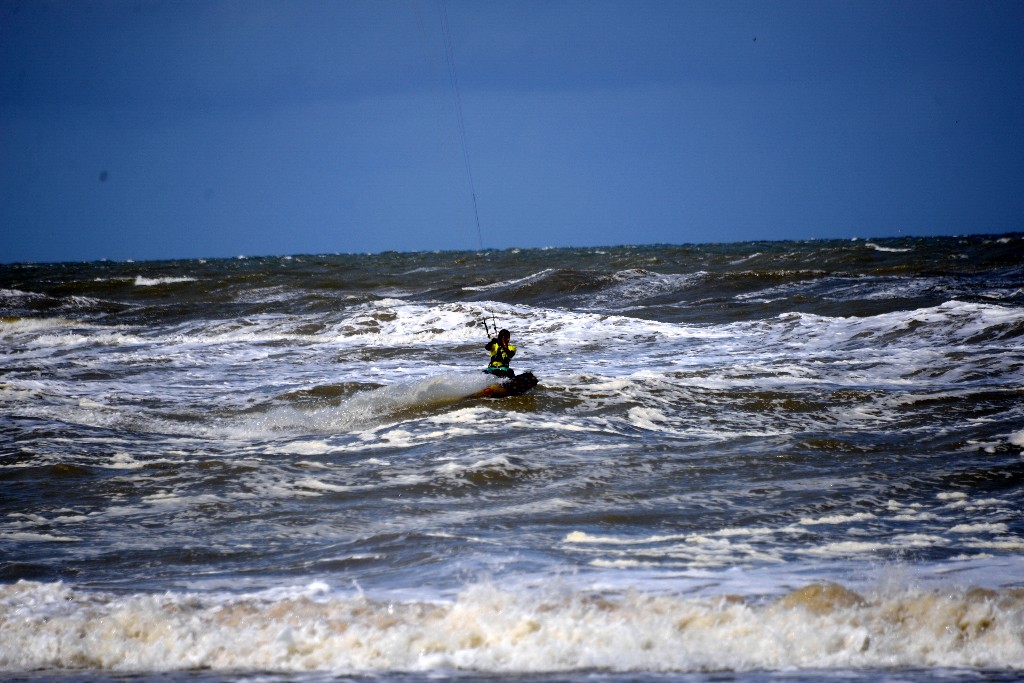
(754,461)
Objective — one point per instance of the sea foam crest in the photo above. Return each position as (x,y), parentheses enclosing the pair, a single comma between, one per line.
(142,281)
(487,628)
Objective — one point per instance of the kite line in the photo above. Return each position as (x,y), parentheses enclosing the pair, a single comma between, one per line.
(454,78)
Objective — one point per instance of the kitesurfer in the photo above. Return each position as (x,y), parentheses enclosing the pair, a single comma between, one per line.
(501,351)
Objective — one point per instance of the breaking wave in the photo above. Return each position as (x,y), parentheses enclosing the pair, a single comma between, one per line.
(488,628)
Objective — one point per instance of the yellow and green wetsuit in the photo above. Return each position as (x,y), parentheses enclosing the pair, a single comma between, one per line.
(501,355)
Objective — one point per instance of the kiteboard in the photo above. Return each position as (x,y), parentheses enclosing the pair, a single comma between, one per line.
(515,386)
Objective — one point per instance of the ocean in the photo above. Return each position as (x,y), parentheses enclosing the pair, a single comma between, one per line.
(758,461)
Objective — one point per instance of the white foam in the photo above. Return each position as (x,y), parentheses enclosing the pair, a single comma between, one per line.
(848,548)
(894,250)
(838,519)
(30,537)
(648,418)
(488,628)
(993,528)
(535,277)
(1011,544)
(20,294)
(141,281)
(584,537)
(33,326)
(317,485)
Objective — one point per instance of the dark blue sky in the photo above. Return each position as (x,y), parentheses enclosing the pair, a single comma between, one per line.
(142,130)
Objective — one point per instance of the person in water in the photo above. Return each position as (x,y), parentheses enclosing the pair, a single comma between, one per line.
(501,351)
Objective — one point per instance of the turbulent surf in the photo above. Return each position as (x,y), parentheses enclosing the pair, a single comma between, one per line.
(794,459)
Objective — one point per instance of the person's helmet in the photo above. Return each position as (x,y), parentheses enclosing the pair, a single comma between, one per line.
(504,334)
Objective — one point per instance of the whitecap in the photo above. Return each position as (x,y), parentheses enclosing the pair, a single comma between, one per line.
(895,250)
(142,281)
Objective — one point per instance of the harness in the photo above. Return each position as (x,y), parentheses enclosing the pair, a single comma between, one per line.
(500,356)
